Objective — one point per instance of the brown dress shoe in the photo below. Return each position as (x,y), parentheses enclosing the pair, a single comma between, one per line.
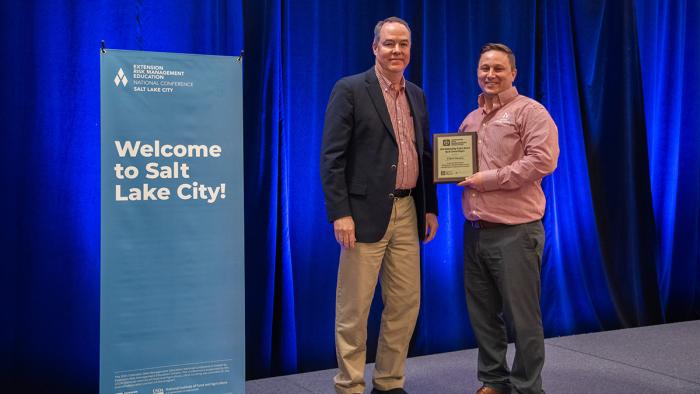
(487,390)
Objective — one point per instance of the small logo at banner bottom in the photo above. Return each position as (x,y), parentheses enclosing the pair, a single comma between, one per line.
(120,78)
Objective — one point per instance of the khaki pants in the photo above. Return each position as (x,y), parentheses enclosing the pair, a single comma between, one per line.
(395,259)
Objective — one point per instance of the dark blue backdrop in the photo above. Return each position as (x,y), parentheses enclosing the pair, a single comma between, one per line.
(623,223)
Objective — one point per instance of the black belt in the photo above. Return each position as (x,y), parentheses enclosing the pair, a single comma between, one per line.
(484,225)
(400,193)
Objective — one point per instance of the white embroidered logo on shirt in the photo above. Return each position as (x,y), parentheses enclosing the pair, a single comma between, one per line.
(504,119)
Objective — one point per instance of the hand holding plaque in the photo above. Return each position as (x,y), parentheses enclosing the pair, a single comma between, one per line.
(454,156)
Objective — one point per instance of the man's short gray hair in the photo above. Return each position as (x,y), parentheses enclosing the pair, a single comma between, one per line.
(391,19)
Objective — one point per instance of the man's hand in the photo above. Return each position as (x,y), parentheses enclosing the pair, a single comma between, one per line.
(344,229)
(431,227)
(475,182)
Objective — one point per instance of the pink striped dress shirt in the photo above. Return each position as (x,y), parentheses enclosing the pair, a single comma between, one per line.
(517,146)
(402,123)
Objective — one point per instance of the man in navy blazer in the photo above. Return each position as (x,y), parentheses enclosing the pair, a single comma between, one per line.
(376,171)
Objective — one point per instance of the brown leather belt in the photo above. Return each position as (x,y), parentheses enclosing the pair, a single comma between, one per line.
(484,225)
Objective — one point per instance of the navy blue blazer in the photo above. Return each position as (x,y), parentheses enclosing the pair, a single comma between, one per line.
(359,155)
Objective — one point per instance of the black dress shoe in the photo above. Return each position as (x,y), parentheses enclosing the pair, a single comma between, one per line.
(392,391)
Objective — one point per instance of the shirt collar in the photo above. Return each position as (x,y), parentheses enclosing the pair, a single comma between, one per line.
(500,100)
(385,83)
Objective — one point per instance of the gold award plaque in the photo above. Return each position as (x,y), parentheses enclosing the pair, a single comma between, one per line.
(454,156)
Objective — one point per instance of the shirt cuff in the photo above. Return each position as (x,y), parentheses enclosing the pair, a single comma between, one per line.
(490,180)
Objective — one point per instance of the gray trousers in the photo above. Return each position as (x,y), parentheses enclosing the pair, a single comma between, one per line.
(502,280)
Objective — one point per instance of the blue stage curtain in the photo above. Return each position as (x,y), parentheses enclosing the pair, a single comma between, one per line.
(615,136)
(669,36)
(581,59)
(271,338)
(623,223)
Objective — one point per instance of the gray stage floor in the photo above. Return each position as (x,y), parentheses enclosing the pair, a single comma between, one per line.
(654,359)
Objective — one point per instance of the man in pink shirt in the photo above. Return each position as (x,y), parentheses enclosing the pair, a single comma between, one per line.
(503,205)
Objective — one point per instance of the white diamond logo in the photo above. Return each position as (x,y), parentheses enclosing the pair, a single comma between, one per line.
(120,78)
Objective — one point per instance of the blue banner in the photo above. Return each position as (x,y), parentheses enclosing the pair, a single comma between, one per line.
(172,261)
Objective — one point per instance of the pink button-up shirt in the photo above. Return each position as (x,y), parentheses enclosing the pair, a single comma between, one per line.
(517,146)
(402,123)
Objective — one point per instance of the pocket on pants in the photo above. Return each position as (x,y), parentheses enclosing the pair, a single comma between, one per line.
(534,238)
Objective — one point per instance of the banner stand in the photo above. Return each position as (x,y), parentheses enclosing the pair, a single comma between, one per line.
(172,238)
